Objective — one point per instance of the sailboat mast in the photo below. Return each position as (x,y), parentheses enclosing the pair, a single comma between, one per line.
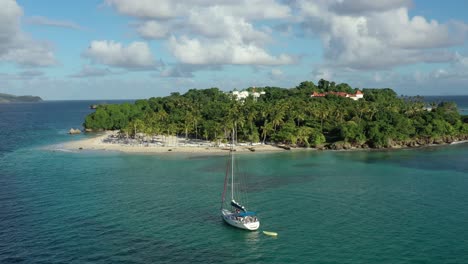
(226,179)
(232,166)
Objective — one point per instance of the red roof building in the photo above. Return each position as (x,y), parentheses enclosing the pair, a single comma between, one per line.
(358,95)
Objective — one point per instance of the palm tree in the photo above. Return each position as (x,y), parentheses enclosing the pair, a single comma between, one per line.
(279,114)
(323,113)
(188,120)
(266,129)
(339,114)
(250,113)
(303,135)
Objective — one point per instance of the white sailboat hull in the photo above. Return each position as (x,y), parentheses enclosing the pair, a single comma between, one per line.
(240,222)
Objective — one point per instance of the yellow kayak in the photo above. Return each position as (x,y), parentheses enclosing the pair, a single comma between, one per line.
(268,233)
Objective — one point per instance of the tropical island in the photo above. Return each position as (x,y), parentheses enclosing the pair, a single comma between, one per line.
(9,98)
(322,116)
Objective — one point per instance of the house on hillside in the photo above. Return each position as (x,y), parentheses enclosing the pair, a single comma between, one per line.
(240,96)
(358,95)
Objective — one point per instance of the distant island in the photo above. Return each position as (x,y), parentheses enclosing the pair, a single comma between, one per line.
(9,98)
(325,115)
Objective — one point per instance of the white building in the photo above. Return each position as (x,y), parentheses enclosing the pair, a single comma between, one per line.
(240,96)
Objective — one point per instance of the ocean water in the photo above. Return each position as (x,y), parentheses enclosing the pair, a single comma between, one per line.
(405,206)
(460,100)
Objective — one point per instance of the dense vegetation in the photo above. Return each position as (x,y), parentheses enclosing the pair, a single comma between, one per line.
(8,98)
(289,116)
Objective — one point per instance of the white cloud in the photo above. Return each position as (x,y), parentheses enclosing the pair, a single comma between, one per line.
(166,9)
(383,38)
(366,6)
(416,32)
(194,51)
(213,23)
(30,53)
(186,70)
(40,20)
(458,69)
(223,39)
(153,30)
(10,14)
(254,9)
(146,8)
(135,55)
(210,32)
(15,45)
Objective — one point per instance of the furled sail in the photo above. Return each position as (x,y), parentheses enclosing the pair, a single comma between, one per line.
(238,206)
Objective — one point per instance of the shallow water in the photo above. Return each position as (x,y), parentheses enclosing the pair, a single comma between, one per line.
(405,206)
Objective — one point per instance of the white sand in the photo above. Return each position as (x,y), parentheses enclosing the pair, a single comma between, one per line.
(96,143)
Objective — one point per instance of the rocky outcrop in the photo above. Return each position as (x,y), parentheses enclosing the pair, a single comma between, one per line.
(427,141)
(341,145)
(285,147)
(395,144)
(73,131)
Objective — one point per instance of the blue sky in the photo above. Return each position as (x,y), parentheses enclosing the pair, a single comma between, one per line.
(126,49)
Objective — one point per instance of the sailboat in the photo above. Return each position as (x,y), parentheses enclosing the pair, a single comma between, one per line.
(232,211)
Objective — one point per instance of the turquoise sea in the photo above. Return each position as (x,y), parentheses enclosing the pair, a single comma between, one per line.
(404,206)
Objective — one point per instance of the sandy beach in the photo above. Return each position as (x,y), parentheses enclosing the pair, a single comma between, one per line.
(107,141)
(172,144)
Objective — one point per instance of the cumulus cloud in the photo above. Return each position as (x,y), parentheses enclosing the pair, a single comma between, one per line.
(458,69)
(186,70)
(357,35)
(146,8)
(153,30)
(136,55)
(416,32)
(383,36)
(210,32)
(365,6)
(44,21)
(211,23)
(253,9)
(223,39)
(30,53)
(194,51)
(15,45)
(166,9)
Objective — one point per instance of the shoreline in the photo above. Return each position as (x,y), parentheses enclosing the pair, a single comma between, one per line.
(97,143)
